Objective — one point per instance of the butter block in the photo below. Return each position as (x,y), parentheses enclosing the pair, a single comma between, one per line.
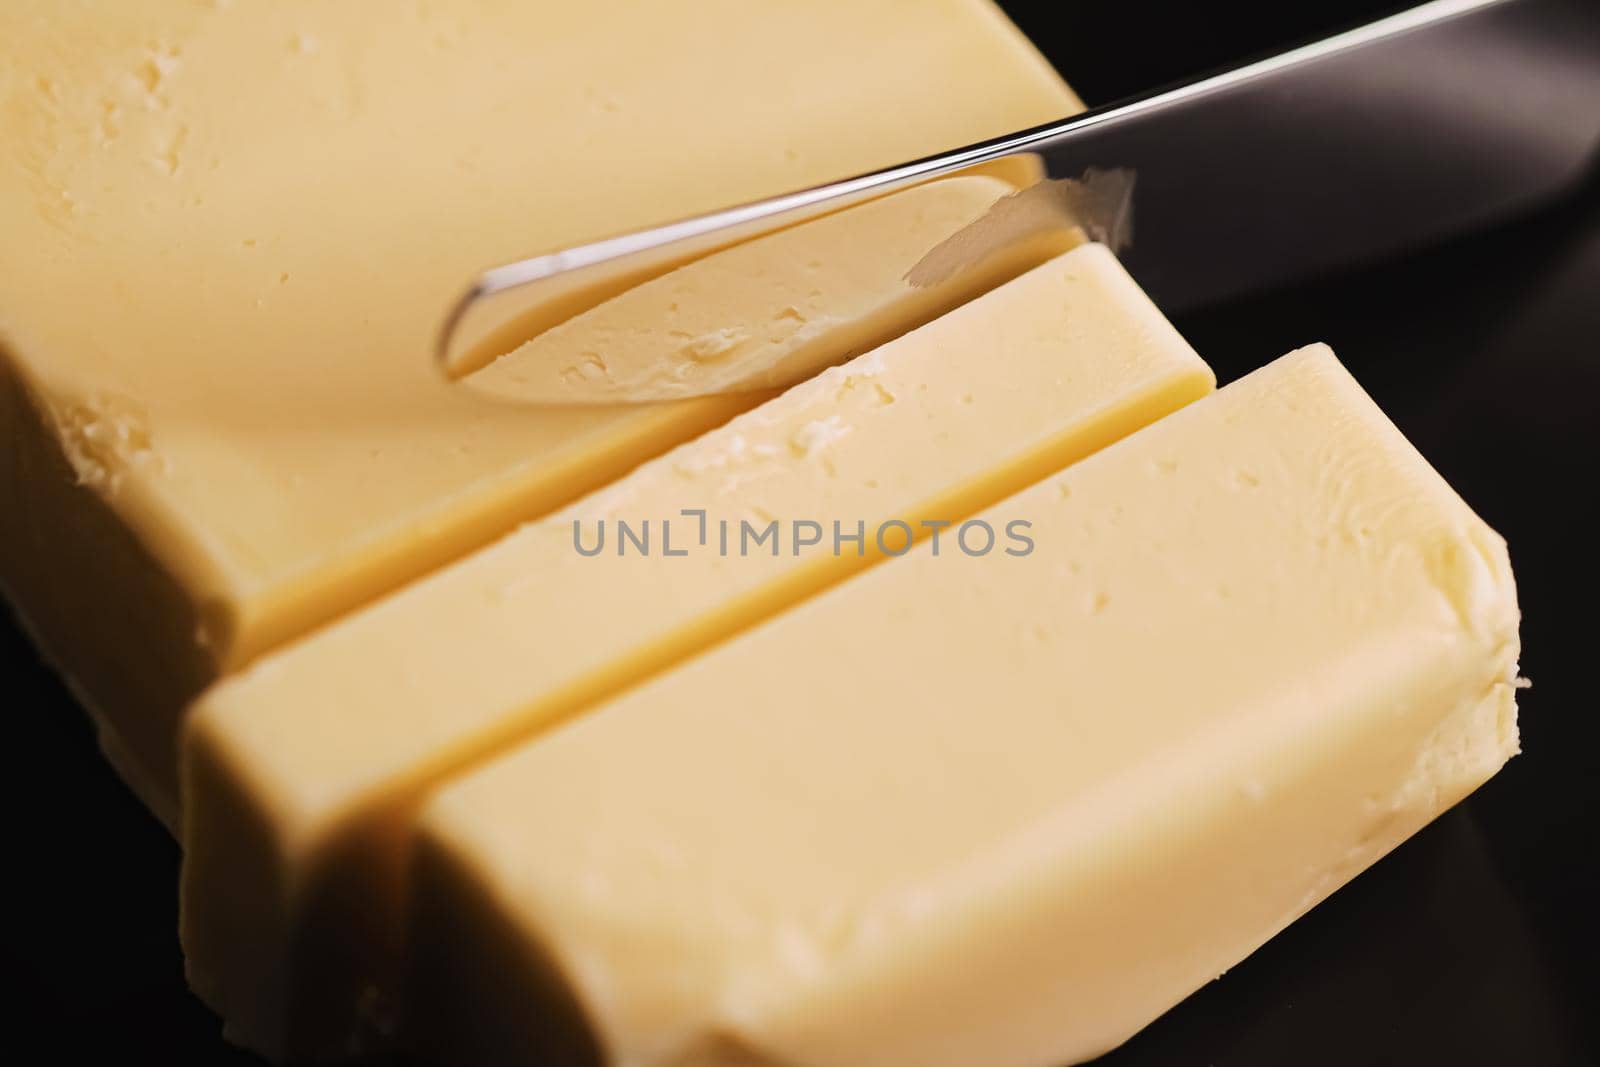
(302,773)
(231,232)
(997,809)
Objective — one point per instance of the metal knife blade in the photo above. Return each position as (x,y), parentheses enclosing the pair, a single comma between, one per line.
(1412,128)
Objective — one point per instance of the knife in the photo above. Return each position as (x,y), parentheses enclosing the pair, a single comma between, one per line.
(1428,123)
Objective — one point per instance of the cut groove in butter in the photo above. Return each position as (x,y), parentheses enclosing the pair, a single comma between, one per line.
(301,773)
(998,810)
(231,230)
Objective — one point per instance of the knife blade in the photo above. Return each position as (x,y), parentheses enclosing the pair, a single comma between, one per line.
(1418,126)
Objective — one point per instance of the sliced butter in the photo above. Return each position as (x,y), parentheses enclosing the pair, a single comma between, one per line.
(302,772)
(999,810)
(231,232)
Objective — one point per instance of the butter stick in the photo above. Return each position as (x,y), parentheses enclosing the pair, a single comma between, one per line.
(229,234)
(302,772)
(1001,809)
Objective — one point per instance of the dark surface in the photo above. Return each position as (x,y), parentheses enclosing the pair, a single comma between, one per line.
(1474,943)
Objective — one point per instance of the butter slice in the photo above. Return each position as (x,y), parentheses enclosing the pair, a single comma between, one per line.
(303,771)
(231,231)
(998,810)
(807,297)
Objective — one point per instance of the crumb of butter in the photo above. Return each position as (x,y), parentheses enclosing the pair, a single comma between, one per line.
(715,344)
(102,436)
(817,434)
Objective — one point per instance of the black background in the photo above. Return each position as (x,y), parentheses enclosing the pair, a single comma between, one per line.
(1474,943)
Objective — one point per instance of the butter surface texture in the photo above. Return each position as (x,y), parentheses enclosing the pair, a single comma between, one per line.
(998,810)
(231,230)
(302,772)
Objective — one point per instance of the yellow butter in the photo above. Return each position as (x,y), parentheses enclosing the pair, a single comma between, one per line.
(805,298)
(302,772)
(1002,809)
(230,231)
